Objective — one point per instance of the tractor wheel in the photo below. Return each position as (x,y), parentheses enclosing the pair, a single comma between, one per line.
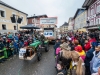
(39,54)
(46,48)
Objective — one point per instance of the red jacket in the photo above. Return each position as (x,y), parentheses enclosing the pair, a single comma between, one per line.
(87,46)
(25,43)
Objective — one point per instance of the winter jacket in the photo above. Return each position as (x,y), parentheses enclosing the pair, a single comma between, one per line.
(95,62)
(25,43)
(16,38)
(21,44)
(58,50)
(15,45)
(87,46)
(62,72)
(1,45)
(65,61)
(57,44)
(89,56)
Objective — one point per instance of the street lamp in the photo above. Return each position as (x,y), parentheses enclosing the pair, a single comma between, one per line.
(16,19)
(34,20)
(88,22)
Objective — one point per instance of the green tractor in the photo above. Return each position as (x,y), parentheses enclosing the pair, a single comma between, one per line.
(34,49)
(38,47)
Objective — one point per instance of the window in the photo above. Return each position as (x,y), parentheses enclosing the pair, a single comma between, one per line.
(99,21)
(32,20)
(92,11)
(3,26)
(2,13)
(98,8)
(22,18)
(15,28)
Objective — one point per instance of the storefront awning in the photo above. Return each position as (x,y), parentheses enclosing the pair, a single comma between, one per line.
(29,26)
(82,29)
(93,27)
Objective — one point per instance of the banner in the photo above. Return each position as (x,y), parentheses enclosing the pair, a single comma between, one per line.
(48,34)
(51,20)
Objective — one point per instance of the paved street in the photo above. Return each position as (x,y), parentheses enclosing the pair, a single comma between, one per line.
(22,67)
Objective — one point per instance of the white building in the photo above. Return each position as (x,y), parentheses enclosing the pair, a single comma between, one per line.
(80,19)
(70,23)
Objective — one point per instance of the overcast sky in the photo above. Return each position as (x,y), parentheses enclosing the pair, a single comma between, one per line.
(63,9)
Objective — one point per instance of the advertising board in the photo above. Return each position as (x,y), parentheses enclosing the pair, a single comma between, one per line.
(50,20)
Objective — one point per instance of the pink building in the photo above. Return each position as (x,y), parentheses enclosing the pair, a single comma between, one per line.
(93,13)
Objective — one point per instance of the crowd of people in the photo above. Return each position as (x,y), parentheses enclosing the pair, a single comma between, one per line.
(78,54)
(10,44)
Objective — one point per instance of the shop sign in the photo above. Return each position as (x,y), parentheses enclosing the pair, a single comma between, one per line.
(51,20)
(5,21)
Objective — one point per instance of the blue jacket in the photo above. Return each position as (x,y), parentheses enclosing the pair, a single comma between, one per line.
(89,56)
(57,44)
(95,63)
(15,45)
(21,44)
(16,38)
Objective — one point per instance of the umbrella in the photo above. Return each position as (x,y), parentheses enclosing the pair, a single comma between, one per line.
(29,26)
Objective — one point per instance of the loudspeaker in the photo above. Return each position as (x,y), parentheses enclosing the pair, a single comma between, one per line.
(19,20)
(88,21)
(13,20)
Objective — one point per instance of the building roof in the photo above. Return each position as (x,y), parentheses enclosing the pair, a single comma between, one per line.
(87,3)
(38,16)
(65,24)
(71,18)
(77,12)
(2,3)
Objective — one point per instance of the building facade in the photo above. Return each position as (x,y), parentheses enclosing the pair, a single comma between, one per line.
(70,23)
(80,19)
(93,14)
(6,12)
(36,20)
(64,28)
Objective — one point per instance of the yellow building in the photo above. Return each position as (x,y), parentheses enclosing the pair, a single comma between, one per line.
(6,12)
(64,27)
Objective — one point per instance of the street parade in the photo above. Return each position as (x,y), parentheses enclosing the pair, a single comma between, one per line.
(64,41)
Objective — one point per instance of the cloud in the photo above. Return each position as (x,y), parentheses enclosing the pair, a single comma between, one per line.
(63,9)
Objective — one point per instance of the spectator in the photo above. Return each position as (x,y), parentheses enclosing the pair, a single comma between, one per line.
(79,49)
(95,62)
(65,55)
(57,44)
(78,67)
(98,73)
(16,46)
(61,69)
(91,39)
(89,56)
